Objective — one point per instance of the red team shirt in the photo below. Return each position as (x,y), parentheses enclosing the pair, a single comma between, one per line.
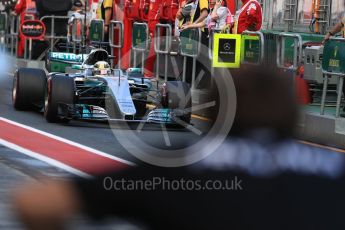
(249,17)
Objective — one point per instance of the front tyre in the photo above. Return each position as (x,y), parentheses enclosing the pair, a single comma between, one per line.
(28,89)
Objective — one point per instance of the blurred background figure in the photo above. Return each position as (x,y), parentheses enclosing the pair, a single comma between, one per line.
(219,19)
(80,12)
(55,8)
(105,12)
(249,17)
(281,184)
(20,10)
(194,11)
(76,13)
(339,27)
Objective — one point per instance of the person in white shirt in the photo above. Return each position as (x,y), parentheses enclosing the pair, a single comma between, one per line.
(219,19)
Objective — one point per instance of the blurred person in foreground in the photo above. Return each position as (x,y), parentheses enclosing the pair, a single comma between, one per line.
(278,183)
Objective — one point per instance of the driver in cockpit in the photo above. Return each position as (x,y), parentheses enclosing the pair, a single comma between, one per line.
(101,68)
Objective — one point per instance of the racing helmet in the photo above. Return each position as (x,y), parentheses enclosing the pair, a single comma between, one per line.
(101,68)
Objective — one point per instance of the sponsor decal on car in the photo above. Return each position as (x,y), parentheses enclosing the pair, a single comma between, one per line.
(67,56)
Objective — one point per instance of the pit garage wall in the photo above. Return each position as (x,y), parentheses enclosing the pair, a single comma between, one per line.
(323,130)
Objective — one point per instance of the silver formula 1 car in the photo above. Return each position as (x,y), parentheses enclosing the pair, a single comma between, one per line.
(94,91)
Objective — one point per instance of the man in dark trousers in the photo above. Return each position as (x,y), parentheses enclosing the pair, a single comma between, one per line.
(258,179)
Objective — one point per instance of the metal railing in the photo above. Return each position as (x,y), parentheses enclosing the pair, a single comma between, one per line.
(3,31)
(28,53)
(141,49)
(76,34)
(167,47)
(194,55)
(93,26)
(77,30)
(210,42)
(14,32)
(210,51)
(52,36)
(297,55)
(119,45)
(327,75)
(262,46)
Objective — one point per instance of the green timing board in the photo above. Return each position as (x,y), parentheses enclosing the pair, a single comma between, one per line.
(96,31)
(334,57)
(250,50)
(190,42)
(140,36)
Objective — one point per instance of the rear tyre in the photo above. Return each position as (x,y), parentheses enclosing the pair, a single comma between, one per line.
(29,89)
(178,97)
(60,89)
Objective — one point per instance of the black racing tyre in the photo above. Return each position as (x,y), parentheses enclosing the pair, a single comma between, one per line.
(60,89)
(29,89)
(178,97)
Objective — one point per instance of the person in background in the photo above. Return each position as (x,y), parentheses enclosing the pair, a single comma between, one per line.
(249,17)
(20,9)
(93,5)
(196,11)
(193,11)
(105,12)
(179,16)
(220,18)
(76,13)
(339,27)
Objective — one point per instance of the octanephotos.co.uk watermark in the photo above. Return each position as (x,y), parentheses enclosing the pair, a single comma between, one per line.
(165,184)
